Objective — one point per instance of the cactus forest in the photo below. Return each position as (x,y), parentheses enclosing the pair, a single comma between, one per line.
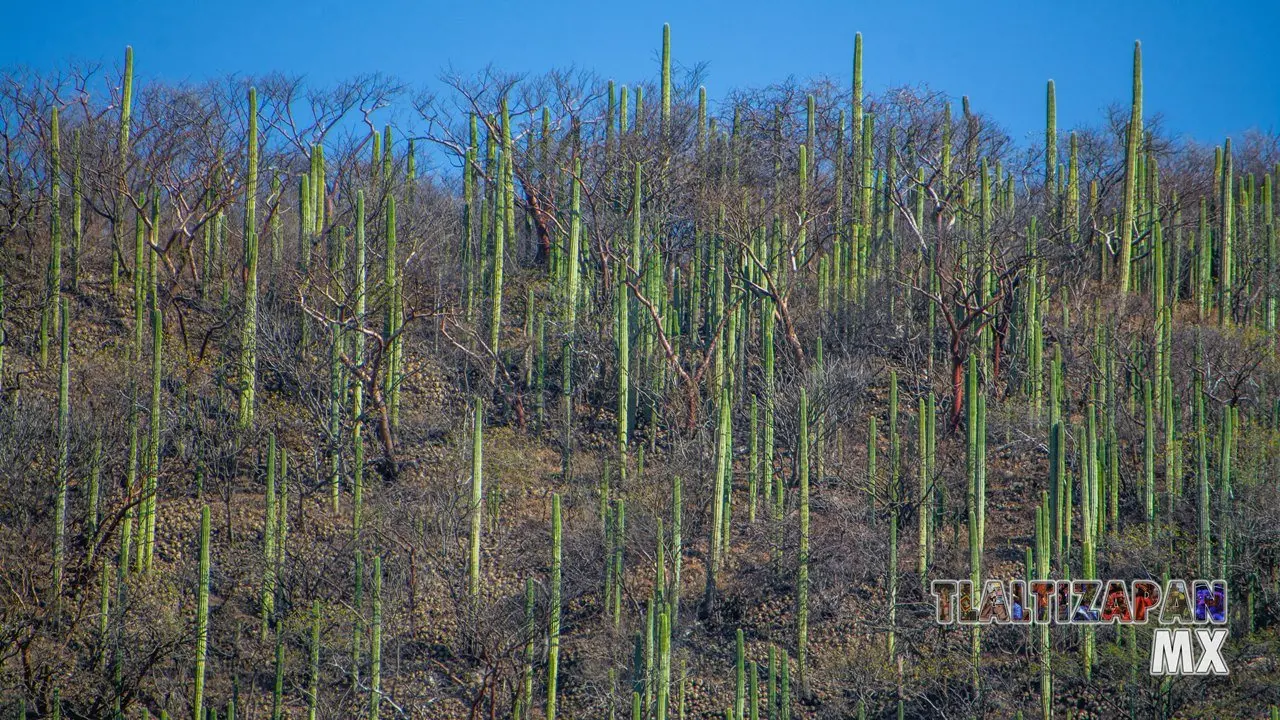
(564,397)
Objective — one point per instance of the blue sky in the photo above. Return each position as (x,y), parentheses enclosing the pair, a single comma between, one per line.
(1210,68)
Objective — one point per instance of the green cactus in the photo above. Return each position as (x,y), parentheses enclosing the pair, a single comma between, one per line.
(1226,238)
(357,390)
(553,646)
(313,683)
(856,117)
(53,289)
(1148,458)
(391,319)
(722,478)
(894,462)
(622,336)
(974,502)
(375,643)
(202,618)
(249,328)
(64,437)
(802,571)
(677,548)
(477,499)
(619,552)
(1133,135)
(665,124)
(1204,545)
(1050,143)
(664,666)
(153,431)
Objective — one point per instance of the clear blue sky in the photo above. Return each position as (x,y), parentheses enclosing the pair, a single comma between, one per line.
(1210,67)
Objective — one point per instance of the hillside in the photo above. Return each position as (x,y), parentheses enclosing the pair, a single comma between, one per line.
(568,399)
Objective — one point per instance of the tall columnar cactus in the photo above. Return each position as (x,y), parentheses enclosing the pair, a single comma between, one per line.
(974,504)
(622,335)
(357,624)
(802,175)
(64,437)
(753,461)
(477,499)
(1204,546)
(1042,551)
(139,287)
(677,547)
(925,497)
(867,186)
(802,569)
(202,618)
(499,240)
(619,558)
(338,344)
(1148,457)
(895,453)
(53,288)
(267,592)
(856,116)
(313,682)
(1133,136)
(722,477)
(121,191)
(571,311)
(553,631)
(665,120)
(391,318)
(740,686)
(663,689)
(153,431)
(249,329)
(1050,143)
(1226,238)
(357,390)
(375,642)
(1226,443)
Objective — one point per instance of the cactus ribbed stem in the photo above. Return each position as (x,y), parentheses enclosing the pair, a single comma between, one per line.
(553,646)
(375,643)
(477,499)
(1133,136)
(894,462)
(249,329)
(802,571)
(64,437)
(202,618)
(666,80)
